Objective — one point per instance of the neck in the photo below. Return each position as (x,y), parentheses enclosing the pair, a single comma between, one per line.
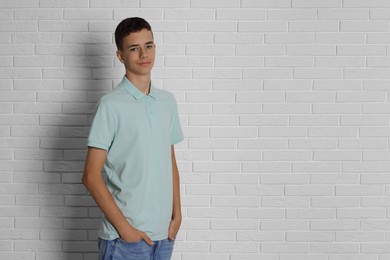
(142,82)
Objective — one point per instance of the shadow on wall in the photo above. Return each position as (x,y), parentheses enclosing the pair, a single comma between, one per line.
(76,220)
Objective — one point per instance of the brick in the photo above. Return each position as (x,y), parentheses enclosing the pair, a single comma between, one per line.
(211,212)
(254,97)
(361,213)
(285,247)
(315,4)
(295,84)
(88,61)
(281,132)
(375,202)
(233,224)
(359,190)
(309,236)
(31,154)
(266,4)
(236,155)
(260,213)
(358,50)
(60,234)
(343,14)
(332,247)
(215,26)
(213,120)
(340,38)
(284,224)
(226,50)
(238,38)
(288,61)
(284,202)
(262,27)
(63,120)
(378,38)
(216,73)
(374,132)
(284,179)
(365,167)
(88,14)
(38,14)
(336,224)
(332,131)
(236,108)
(66,26)
(312,190)
(289,38)
(310,213)
(233,178)
(188,61)
(37,38)
(362,143)
(63,49)
(364,120)
(238,62)
(58,256)
(259,190)
(298,14)
(376,178)
(335,202)
(334,179)
(340,108)
(267,73)
(363,26)
(361,3)
(246,14)
(336,155)
(266,50)
(37,177)
(205,256)
(18,26)
(214,4)
(303,257)
(340,61)
(316,167)
(313,26)
(311,50)
(226,201)
(21,73)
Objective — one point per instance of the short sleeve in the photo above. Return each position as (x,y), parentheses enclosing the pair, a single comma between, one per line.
(102,129)
(176,131)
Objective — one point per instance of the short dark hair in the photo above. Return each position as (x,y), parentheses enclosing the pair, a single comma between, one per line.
(127,26)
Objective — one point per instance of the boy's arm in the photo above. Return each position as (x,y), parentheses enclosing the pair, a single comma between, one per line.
(94,182)
(176,213)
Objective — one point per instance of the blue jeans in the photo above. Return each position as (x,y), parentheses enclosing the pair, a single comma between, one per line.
(119,249)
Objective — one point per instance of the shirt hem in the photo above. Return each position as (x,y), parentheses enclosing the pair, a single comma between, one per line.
(97,145)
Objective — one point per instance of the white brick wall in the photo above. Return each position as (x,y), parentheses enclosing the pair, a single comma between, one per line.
(284,107)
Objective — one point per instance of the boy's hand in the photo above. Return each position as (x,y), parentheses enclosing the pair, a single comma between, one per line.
(174,227)
(136,235)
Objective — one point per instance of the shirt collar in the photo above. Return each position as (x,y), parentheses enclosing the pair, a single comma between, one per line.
(135,92)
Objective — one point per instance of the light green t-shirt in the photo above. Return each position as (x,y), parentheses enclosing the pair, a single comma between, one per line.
(138,130)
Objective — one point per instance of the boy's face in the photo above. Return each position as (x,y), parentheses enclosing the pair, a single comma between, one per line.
(138,53)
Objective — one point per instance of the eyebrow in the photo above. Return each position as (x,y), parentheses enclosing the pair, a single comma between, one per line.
(135,45)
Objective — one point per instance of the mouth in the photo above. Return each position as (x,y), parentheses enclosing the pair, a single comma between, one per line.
(144,64)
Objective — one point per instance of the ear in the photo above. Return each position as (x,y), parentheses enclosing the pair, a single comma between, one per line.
(119,55)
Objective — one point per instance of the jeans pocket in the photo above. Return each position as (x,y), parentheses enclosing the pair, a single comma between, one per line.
(129,242)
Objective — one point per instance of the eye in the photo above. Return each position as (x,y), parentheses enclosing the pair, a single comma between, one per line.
(134,49)
(149,46)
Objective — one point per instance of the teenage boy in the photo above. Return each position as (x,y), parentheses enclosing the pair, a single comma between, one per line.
(132,136)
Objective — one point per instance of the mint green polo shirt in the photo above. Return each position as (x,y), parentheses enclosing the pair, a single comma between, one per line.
(138,130)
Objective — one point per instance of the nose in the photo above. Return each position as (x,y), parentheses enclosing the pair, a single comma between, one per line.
(143,53)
